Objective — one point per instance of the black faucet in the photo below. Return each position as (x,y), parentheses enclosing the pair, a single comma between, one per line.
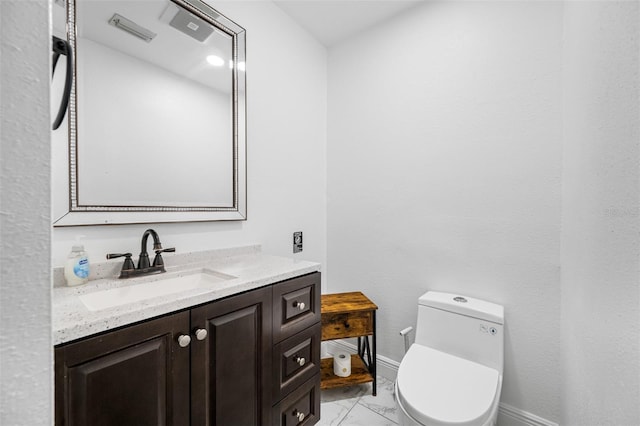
(128,268)
(143,260)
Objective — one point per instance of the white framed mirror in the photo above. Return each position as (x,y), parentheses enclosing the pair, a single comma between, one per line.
(156,124)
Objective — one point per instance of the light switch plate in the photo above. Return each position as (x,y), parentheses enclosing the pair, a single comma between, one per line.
(297,242)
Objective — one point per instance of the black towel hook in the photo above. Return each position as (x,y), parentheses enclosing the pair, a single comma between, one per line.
(62,47)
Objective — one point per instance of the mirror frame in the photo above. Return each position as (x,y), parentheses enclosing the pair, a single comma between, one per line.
(78,214)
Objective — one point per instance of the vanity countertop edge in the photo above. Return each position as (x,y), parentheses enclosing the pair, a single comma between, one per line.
(72,320)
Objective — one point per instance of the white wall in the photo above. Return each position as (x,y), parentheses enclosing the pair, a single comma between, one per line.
(444,155)
(26,351)
(286,86)
(600,210)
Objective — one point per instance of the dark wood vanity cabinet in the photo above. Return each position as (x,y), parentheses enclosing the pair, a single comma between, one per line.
(232,372)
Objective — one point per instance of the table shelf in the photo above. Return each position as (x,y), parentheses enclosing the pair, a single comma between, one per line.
(359,374)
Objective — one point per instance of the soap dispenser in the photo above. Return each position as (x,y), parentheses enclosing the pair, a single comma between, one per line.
(76,269)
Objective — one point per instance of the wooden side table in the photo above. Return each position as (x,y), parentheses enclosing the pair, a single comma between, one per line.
(347,315)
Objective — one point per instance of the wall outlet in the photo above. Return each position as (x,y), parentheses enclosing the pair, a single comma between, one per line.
(297,242)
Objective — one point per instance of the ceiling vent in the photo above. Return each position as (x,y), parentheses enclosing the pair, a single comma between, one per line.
(191,25)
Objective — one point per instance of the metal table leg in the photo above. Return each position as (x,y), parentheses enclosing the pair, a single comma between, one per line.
(373,365)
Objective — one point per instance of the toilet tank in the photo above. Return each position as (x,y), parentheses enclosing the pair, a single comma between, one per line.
(469,328)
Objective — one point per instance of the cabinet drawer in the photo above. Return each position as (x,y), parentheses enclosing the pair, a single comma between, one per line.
(295,360)
(343,325)
(296,305)
(302,407)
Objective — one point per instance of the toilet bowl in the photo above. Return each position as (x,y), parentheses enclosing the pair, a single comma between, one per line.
(452,374)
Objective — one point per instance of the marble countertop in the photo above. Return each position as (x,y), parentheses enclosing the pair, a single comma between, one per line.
(249,268)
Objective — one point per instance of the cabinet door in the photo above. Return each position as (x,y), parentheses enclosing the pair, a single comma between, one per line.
(230,368)
(137,375)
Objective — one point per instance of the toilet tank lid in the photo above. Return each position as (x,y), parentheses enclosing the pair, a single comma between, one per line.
(464,305)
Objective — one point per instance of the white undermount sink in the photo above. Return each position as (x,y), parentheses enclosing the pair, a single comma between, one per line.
(190,280)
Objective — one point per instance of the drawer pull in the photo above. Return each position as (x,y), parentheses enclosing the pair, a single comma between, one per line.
(184,340)
(201,334)
(346,324)
(299,415)
(300,361)
(299,305)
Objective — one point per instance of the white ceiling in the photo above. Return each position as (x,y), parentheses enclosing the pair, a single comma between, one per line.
(332,21)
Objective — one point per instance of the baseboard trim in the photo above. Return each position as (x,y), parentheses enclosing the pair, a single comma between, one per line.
(508,415)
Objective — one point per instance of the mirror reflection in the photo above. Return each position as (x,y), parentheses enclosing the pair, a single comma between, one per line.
(157,120)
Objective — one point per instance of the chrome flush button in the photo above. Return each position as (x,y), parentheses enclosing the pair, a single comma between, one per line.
(460,299)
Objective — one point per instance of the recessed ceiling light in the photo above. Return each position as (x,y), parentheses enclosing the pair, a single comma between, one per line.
(216,61)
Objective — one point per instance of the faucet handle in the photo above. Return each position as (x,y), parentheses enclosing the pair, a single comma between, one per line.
(116,255)
(128,262)
(157,261)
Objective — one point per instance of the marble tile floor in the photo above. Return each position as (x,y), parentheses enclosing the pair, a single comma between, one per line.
(355,406)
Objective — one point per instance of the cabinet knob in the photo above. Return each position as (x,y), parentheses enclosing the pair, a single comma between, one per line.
(299,305)
(299,415)
(300,361)
(184,340)
(201,334)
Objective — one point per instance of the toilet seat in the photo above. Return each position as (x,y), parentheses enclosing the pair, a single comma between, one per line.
(436,388)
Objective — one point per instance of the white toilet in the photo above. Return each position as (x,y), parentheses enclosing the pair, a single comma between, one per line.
(452,374)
